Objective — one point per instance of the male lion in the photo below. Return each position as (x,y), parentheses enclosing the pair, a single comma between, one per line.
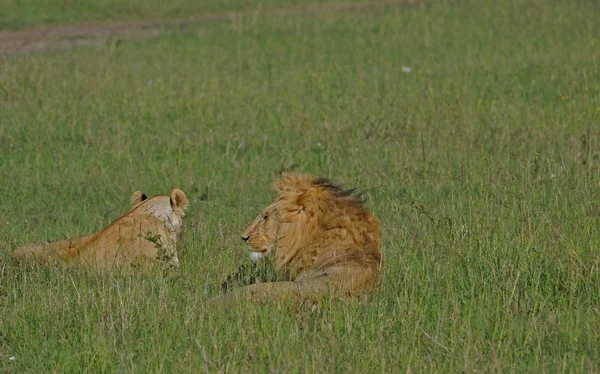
(322,240)
(148,232)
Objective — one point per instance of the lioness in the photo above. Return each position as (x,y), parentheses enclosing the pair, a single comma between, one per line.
(148,232)
(322,240)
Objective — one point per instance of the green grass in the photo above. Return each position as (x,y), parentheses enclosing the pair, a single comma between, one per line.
(482,162)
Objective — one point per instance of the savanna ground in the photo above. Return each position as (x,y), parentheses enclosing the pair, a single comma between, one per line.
(472,127)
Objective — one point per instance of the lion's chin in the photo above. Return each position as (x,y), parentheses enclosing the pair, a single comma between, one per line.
(256,256)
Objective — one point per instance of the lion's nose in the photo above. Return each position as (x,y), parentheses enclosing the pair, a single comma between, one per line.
(245,238)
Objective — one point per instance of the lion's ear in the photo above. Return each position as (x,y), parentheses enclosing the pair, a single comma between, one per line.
(178,199)
(137,197)
(306,200)
(294,206)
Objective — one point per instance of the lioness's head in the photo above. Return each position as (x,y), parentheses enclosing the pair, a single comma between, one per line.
(169,209)
(310,216)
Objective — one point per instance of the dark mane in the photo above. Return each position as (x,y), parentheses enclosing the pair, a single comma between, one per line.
(352,195)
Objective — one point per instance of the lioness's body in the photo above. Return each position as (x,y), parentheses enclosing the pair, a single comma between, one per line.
(149,231)
(322,239)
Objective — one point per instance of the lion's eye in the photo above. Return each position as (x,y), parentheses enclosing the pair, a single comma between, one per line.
(265,217)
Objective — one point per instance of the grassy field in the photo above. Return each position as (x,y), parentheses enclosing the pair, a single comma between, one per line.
(472,126)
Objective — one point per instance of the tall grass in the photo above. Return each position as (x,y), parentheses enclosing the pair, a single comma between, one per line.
(482,163)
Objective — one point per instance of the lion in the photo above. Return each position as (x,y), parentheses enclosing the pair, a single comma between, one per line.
(321,239)
(148,232)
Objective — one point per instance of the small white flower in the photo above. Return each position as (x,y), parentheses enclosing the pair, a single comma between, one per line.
(406,69)
(12,358)
(552,175)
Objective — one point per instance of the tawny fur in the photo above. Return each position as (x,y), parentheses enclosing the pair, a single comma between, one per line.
(148,232)
(322,240)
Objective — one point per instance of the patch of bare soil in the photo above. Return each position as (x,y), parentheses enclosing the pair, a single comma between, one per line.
(67,36)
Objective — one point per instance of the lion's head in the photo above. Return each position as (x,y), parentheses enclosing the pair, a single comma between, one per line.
(313,225)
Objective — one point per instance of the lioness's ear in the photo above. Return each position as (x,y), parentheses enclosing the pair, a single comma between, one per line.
(137,197)
(178,199)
